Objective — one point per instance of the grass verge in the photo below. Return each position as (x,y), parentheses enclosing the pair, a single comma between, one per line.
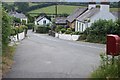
(7,59)
(108,70)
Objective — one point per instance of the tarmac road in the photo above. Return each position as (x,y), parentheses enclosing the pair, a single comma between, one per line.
(43,56)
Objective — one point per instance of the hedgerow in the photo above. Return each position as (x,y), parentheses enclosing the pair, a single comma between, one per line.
(100,29)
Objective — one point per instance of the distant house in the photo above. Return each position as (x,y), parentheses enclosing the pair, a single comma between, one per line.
(72,18)
(42,20)
(60,21)
(93,13)
(21,16)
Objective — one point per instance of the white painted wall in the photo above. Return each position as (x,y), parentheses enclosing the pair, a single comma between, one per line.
(42,20)
(20,35)
(104,15)
(67,36)
(80,26)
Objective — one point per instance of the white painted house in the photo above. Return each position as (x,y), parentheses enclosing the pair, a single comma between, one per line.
(94,13)
(42,20)
(21,16)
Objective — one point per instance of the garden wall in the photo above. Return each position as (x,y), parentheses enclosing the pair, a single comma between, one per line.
(67,36)
(21,36)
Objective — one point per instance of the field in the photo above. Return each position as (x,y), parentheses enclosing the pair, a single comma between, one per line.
(62,9)
(114,9)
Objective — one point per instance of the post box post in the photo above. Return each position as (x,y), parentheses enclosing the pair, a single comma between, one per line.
(113,45)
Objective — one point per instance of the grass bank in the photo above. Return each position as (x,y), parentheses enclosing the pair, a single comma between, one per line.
(7,58)
(108,70)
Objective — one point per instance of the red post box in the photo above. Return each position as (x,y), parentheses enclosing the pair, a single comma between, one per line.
(113,45)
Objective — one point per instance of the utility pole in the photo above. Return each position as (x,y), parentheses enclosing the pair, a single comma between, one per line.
(56,10)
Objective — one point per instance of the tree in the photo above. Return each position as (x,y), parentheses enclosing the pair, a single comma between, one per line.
(22,6)
(16,20)
(6,28)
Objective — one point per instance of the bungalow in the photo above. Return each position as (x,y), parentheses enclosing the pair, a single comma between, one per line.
(42,20)
(72,18)
(60,21)
(93,13)
(21,16)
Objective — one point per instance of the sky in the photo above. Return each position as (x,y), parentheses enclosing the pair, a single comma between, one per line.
(92,0)
(59,0)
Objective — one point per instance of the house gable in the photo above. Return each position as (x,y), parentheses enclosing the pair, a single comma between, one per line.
(42,21)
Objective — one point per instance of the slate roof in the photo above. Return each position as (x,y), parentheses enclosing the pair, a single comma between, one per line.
(76,14)
(88,14)
(39,18)
(17,15)
(60,20)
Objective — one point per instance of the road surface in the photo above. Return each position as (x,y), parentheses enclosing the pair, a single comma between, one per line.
(43,56)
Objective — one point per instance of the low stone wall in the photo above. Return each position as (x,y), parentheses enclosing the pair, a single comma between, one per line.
(67,36)
(21,36)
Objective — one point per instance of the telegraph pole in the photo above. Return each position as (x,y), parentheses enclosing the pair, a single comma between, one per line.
(56,6)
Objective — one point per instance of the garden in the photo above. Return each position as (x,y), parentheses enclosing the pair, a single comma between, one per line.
(99,30)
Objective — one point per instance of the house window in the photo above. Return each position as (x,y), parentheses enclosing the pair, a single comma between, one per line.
(79,26)
(44,22)
(82,27)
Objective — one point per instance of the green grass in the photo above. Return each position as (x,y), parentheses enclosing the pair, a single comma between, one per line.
(51,9)
(33,4)
(114,9)
(107,69)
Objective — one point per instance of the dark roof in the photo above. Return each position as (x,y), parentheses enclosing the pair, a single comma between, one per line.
(76,14)
(116,14)
(60,20)
(17,15)
(88,14)
(39,18)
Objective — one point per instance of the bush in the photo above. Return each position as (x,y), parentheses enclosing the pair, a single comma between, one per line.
(42,29)
(76,33)
(107,68)
(68,31)
(63,30)
(30,25)
(58,28)
(98,31)
(16,30)
(6,28)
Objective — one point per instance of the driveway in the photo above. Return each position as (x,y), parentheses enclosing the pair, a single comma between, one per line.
(43,56)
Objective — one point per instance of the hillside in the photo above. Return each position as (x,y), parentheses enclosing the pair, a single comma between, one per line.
(62,9)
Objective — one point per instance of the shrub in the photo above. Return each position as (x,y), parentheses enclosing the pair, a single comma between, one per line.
(98,31)
(68,31)
(30,25)
(58,28)
(14,31)
(42,29)
(63,30)
(76,33)
(20,29)
(107,68)
(6,28)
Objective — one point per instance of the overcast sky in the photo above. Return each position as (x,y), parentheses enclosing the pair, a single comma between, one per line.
(59,0)
(92,0)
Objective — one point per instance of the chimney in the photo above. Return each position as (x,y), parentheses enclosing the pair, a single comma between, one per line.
(105,6)
(91,5)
